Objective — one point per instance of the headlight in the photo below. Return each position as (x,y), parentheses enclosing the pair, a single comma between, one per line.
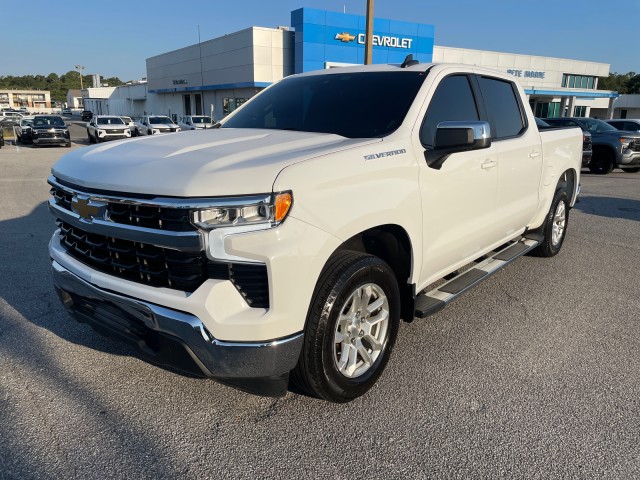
(625,142)
(268,210)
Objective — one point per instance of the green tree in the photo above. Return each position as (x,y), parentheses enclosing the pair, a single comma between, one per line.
(621,82)
(58,86)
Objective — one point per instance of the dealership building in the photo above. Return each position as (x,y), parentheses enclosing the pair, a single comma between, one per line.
(216,76)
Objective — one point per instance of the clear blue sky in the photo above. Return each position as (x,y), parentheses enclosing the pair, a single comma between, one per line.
(115,38)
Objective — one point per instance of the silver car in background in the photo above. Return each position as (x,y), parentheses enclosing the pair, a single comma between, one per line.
(154,124)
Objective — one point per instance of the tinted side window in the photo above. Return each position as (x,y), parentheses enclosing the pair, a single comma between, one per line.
(502,106)
(453,100)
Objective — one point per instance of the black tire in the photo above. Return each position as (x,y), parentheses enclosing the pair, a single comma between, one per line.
(89,137)
(632,170)
(551,245)
(602,162)
(317,372)
(18,139)
(67,145)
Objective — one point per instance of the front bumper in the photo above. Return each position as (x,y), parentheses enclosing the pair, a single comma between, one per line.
(630,158)
(113,136)
(51,141)
(177,339)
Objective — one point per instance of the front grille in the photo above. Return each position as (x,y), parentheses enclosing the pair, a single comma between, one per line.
(115,130)
(135,261)
(150,264)
(50,134)
(162,267)
(160,218)
(635,145)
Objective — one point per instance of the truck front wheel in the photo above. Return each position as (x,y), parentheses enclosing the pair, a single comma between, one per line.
(555,226)
(351,328)
(602,161)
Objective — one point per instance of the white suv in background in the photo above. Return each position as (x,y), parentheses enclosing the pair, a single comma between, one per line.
(195,122)
(106,127)
(153,124)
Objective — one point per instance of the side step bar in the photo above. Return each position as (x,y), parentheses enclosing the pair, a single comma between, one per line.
(428,303)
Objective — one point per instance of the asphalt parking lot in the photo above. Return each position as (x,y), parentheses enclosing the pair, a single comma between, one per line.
(534,374)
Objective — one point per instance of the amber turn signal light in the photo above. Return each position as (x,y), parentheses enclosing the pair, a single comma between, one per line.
(282,206)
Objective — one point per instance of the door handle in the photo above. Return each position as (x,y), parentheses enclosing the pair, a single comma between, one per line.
(489,164)
(534,154)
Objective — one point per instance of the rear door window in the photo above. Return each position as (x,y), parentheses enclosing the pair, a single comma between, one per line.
(503,108)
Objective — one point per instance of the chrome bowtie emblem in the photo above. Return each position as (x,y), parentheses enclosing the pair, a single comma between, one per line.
(87,208)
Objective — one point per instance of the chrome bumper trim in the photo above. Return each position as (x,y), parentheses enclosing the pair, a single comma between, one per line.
(215,358)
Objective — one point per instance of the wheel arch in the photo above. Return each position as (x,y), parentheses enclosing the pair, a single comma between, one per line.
(392,244)
(570,180)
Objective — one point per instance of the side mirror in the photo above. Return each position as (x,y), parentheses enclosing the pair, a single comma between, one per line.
(457,136)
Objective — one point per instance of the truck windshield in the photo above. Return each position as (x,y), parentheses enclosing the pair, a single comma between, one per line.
(597,126)
(353,105)
(160,120)
(201,119)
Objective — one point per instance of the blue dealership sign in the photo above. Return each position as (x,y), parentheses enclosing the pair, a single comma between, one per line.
(323,37)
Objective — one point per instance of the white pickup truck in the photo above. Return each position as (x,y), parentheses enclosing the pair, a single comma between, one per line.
(288,244)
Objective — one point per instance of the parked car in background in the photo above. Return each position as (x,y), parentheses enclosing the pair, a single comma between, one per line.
(50,130)
(107,127)
(153,124)
(131,123)
(66,111)
(611,147)
(626,124)
(10,114)
(195,122)
(86,115)
(1,137)
(23,130)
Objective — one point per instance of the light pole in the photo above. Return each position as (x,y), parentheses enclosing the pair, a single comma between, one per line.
(368,47)
(80,68)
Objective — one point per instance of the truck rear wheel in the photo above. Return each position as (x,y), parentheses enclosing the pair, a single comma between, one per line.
(555,226)
(351,328)
(632,170)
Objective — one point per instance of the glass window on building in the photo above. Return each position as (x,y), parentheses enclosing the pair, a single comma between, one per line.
(547,110)
(230,104)
(580,111)
(554,109)
(578,81)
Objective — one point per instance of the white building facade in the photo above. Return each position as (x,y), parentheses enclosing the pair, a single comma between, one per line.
(556,87)
(216,76)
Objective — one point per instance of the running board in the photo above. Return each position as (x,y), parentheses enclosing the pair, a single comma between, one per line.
(435,300)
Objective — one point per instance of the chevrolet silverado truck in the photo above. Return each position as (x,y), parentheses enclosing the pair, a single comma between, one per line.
(282,249)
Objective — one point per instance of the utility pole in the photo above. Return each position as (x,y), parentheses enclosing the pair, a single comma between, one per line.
(80,68)
(368,50)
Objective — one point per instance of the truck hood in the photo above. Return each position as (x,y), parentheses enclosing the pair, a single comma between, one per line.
(204,163)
